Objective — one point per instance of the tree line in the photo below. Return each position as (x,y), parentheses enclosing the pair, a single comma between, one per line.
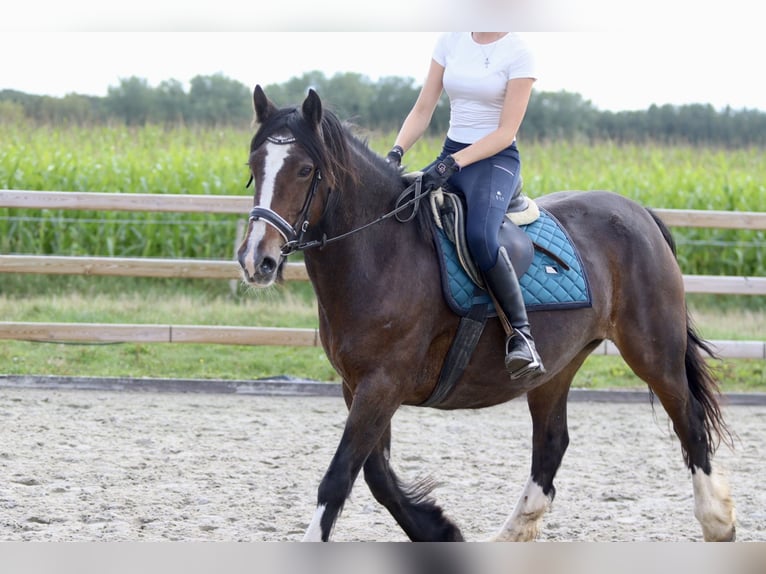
(380,106)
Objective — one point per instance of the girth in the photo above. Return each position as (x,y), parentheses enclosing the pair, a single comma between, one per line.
(448,214)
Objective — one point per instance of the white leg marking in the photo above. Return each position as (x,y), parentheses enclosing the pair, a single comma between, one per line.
(713,506)
(275,157)
(524,524)
(314,531)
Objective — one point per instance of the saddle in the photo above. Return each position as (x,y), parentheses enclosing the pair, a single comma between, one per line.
(545,260)
(448,214)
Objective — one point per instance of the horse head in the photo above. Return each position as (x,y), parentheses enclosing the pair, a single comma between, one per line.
(292,167)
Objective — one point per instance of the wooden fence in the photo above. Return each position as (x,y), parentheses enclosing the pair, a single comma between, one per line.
(221,269)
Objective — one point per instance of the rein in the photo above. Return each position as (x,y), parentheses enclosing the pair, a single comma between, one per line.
(414,189)
(293,234)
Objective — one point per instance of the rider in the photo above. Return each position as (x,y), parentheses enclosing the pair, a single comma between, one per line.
(488,77)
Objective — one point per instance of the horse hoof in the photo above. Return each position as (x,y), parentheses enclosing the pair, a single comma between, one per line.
(730,536)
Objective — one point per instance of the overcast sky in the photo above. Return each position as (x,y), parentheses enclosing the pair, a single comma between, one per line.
(661,55)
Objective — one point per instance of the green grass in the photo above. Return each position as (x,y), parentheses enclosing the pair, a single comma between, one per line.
(288,306)
(151,304)
(122,160)
(197,160)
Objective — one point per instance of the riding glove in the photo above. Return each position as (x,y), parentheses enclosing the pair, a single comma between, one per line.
(394,157)
(438,173)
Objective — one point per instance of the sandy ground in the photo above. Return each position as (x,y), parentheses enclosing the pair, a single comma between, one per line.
(130,466)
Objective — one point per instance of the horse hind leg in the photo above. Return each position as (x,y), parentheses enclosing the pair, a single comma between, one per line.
(419,517)
(713,505)
(688,391)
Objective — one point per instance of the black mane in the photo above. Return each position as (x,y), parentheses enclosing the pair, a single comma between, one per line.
(330,147)
(347,163)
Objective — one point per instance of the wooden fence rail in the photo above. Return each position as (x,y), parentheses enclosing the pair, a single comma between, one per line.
(149,333)
(100,333)
(241,205)
(81,200)
(221,269)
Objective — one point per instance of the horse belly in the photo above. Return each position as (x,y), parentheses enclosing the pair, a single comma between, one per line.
(485,382)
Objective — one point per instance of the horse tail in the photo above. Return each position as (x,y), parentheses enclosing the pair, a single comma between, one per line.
(702,382)
(665,231)
(704,387)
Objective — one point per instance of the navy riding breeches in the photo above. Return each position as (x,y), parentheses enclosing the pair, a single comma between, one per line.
(487,187)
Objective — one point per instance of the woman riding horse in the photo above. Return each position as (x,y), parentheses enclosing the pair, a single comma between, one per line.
(488,77)
(386,328)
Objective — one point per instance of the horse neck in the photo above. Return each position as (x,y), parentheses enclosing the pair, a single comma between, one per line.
(364,198)
(372,194)
(365,252)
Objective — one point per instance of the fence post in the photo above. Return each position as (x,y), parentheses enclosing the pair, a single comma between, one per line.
(234,283)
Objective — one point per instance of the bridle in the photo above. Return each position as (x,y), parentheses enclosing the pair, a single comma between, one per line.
(294,234)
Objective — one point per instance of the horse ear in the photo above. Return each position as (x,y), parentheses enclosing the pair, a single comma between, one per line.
(262,105)
(312,108)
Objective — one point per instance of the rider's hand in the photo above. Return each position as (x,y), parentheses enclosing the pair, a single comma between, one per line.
(438,174)
(394,157)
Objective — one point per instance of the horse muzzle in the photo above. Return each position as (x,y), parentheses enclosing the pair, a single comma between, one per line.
(261,257)
(262,271)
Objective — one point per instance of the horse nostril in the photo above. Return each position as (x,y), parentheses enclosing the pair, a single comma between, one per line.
(268,266)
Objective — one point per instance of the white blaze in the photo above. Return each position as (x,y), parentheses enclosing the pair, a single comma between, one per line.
(275,157)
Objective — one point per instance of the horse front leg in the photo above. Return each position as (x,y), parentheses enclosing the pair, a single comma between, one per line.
(370,413)
(420,518)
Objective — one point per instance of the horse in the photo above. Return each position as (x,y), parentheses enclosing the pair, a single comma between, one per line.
(385,326)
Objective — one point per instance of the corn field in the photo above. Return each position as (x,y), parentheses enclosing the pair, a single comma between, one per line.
(182,160)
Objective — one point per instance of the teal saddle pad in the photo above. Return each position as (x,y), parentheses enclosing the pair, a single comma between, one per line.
(545,285)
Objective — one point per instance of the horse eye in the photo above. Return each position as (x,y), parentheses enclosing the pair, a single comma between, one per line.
(305,171)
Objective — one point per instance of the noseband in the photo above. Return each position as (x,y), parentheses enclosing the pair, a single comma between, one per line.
(294,234)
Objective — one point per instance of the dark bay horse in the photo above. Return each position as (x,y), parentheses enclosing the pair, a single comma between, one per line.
(386,328)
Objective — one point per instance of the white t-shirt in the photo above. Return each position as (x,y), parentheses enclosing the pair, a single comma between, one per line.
(476,77)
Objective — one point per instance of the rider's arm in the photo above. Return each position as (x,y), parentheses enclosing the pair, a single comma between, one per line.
(417,121)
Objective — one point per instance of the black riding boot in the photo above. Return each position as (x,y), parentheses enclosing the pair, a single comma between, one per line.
(521,357)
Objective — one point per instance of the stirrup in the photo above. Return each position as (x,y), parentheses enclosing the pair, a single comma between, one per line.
(534,366)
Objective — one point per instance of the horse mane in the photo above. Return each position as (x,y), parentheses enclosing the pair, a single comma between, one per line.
(341,156)
(329,146)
